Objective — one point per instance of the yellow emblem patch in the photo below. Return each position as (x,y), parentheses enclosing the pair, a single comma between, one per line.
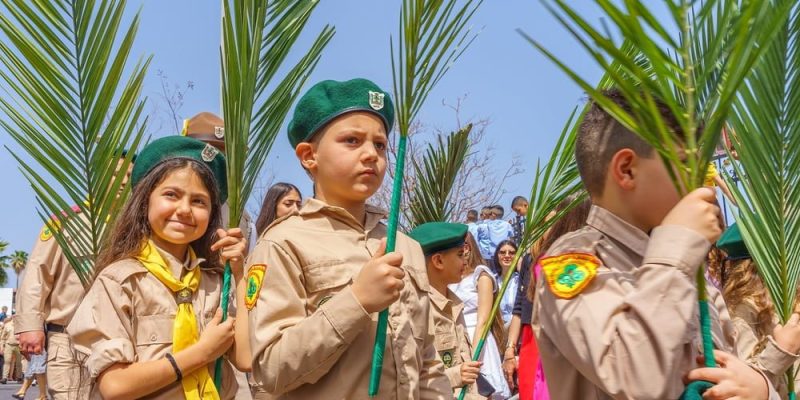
(568,274)
(255,276)
(47,233)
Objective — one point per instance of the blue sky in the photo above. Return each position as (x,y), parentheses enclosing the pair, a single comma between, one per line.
(503,78)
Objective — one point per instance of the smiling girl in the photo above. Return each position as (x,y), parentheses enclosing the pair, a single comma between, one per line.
(150,324)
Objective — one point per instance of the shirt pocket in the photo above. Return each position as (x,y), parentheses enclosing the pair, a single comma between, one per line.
(446,346)
(152,330)
(326,278)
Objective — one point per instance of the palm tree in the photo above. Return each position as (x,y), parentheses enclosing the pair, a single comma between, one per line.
(18,260)
(74,107)
(4,263)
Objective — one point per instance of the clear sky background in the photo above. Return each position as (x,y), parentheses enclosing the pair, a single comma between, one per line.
(503,78)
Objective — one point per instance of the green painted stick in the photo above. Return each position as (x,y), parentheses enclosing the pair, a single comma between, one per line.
(495,308)
(391,238)
(226,292)
(695,389)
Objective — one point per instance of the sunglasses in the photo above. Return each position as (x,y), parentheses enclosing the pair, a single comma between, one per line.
(507,253)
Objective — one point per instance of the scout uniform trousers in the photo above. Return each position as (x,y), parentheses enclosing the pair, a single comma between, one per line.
(65,371)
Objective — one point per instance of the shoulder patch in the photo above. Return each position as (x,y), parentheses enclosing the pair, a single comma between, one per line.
(255,276)
(568,274)
(46,234)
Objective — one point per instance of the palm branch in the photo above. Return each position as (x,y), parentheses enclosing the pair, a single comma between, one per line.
(256,40)
(555,181)
(74,106)
(767,125)
(432,36)
(435,176)
(695,73)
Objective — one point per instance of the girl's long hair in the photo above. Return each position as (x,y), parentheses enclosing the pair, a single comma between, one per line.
(473,261)
(269,208)
(571,221)
(132,227)
(496,267)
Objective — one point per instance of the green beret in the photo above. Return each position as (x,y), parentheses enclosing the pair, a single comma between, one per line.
(732,244)
(330,99)
(439,236)
(182,147)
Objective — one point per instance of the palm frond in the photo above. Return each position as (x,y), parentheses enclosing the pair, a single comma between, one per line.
(432,35)
(766,120)
(696,73)
(436,173)
(74,106)
(257,39)
(18,260)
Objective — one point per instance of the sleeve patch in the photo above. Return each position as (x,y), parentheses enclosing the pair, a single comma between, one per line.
(568,274)
(255,276)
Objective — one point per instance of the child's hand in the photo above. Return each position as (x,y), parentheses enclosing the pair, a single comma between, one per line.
(788,336)
(699,212)
(217,337)
(380,281)
(470,371)
(233,247)
(733,379)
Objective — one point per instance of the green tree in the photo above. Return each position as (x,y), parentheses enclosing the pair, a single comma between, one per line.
(18,260)
(4,263)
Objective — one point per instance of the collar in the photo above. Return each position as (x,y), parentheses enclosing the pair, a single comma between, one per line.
(373,217)
(616,228)
(441,301)
(175,265)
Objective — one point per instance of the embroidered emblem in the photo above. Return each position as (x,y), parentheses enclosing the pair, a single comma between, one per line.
(447,358)
(46,234)
(376,100)
(219,132)
(255,276)
(568,274)
(209,152)
(324,300)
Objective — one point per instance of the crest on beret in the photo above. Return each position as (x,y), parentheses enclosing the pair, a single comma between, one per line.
(376,100)
(219,132)
(568,274)
(447,358)
(209,152)
(255,276)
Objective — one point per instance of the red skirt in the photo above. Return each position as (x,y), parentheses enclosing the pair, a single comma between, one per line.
(528,360)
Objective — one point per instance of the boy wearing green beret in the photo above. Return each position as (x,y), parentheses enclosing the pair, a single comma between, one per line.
(317,279)
(443,245)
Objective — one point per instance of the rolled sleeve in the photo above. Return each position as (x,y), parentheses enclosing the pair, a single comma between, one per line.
(677,246)
(109,352)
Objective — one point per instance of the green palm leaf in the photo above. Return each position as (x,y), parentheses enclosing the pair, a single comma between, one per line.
(18,260)
(74,106)
(432,35)
(435,176)
(766,120)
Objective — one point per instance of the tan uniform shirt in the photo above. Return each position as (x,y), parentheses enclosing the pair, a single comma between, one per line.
(450,337)
(49,289)
(633,333)
(763,351)
(128,314)
(7,334)
(310,337)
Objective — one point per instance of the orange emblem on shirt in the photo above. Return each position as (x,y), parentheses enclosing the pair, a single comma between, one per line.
(568,274)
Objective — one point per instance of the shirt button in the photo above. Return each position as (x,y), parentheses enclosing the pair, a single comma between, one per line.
(153,337)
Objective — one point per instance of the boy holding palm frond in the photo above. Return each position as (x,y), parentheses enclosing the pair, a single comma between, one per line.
(616,312)
(319,277)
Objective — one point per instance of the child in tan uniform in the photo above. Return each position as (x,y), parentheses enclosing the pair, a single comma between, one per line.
(318,278)
(616,312)
(150,323)
(443,245)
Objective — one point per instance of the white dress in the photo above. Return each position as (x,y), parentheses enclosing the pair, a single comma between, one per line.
(492,368)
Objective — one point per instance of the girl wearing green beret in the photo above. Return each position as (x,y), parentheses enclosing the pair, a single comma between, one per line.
(150,323)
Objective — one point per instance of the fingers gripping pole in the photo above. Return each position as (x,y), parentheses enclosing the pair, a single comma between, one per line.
(391,238)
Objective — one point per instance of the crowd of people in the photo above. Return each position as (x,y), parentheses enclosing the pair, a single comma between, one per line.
(603,306)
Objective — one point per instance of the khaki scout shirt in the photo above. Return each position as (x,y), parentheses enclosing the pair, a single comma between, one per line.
(310,337)
(450,338)
(7,334)
(49,290)
(128,314)
(762,351)
(633,333)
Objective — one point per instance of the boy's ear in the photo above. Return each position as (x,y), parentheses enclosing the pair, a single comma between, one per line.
(307,156)
(437,261)
(623,169)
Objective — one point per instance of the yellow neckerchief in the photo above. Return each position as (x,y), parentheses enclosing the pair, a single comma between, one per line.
(197,385)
